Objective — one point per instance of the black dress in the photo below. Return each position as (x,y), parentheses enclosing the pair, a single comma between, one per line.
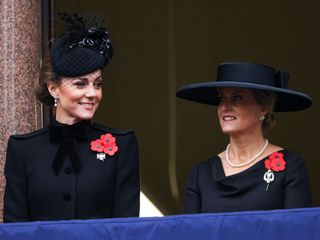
(208,190)
(75,186)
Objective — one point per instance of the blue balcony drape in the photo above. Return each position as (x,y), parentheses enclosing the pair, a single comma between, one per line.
(277,224)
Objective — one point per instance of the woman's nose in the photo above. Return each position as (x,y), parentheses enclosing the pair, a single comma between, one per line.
(225,105)
(91,91)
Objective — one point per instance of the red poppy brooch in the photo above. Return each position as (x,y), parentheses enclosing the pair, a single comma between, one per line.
(275,163)
(106,144)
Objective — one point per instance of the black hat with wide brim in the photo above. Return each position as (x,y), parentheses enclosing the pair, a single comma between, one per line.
(250,76)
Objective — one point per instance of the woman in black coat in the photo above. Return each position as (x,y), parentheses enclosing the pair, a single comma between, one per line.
(73,169)
(252,173)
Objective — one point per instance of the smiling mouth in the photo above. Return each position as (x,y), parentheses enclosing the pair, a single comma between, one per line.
(229,118)
(88,105)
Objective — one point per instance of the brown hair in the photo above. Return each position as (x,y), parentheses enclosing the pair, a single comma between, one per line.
(266,99)
(46,75)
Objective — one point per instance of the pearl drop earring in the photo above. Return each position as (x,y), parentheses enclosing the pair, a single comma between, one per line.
(262,117)
(55,102)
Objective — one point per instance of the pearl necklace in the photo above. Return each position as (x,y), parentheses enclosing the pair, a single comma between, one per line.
(246,162)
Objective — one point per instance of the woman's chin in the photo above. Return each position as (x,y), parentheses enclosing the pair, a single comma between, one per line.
(229,130)
(232,132)
(86,117)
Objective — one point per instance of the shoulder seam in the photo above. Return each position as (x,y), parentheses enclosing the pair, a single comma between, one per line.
(113,130)
(31,134)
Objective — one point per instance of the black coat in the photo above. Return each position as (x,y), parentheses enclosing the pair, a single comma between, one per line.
(100,189)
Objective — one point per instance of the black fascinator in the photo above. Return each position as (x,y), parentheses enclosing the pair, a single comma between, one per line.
(83,48)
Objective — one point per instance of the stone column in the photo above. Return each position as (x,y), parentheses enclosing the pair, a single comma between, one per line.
(20,51)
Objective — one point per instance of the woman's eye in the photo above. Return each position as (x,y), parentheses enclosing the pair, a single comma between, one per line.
(222,99)
(237,98)
(79,84)
(97,84)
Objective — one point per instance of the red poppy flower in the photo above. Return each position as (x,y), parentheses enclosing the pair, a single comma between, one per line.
(106,143)
(275,162)
(97,145)
(108,138)
(111,148)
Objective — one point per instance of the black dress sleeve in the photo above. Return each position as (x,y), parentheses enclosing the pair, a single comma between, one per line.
(192,197)
(126,200)
(15,197)
(297,189)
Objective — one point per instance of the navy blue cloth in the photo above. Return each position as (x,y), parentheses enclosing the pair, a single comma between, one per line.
(262,225)
(250,76)
(209,190)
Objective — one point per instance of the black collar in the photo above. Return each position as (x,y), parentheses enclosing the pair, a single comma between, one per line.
(59,131)
(66,136)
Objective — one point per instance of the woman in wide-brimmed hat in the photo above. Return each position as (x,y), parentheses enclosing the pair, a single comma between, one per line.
(251,173)
(73,169)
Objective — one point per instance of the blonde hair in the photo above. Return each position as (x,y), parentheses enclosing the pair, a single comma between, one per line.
(268,100)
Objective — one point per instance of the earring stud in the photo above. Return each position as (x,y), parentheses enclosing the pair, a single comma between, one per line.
(262,117)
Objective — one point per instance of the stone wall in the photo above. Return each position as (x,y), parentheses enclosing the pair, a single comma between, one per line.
(20,51)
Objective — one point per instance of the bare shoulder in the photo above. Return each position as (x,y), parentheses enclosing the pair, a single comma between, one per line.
(222,155)
(273,148)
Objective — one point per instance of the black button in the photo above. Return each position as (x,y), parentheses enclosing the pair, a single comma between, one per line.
(68,170)
(66,196)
